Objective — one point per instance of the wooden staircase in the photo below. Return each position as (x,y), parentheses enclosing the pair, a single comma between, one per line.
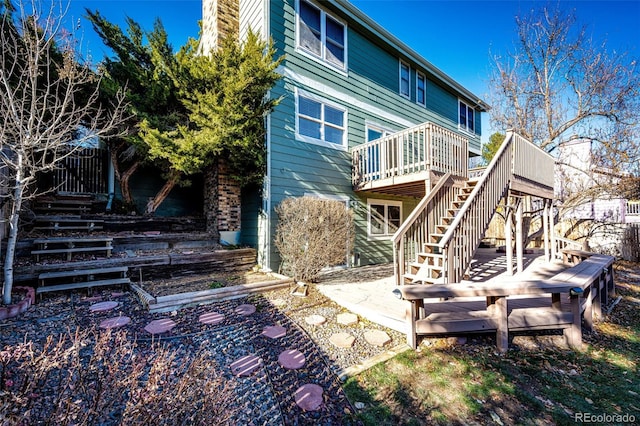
(428,268)
(437,242)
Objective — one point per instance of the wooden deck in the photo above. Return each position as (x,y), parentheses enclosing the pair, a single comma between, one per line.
(368,291)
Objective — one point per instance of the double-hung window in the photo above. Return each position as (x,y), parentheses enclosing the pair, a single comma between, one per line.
(385,217)
(320,122)
(405,79)
(321,35)
(467,118)
(421,89)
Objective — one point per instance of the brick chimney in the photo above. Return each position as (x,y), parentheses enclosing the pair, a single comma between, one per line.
(219,18)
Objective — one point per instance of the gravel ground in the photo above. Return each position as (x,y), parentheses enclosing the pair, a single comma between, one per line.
(266,396)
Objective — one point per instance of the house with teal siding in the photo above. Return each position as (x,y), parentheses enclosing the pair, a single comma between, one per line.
(364,119)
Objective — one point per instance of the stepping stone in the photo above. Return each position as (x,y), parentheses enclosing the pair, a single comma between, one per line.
(93,299)
(246,365)
(103,306)
(315,319)
(245,310)
(274,331)
(115,322)
(211,318)
(117,294)
(291,359)
(279,302)
(309,397)
(160,326)
(377,337)
(347,318)
(342,340)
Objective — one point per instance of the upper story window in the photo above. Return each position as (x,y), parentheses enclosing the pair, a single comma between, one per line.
(321,35)
(467,118)
(405,79)
(421,89)
(320,122)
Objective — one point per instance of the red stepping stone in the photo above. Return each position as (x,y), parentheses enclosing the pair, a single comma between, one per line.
(160,326)
(274,331)
(309,397)
(211,318)
(103,306)
(115,322)
(246,365)
(291,359)
(245,310)
(117,294)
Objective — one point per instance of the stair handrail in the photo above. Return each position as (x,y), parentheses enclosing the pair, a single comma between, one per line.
(453,227)
(398,236)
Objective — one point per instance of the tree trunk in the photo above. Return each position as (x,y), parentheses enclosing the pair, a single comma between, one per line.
(123,178)
(13,234)
(155,202)
(124,183)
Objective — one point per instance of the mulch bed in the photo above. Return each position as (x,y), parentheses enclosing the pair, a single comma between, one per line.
(264,397)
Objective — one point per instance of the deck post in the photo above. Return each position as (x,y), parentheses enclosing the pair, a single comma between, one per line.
(413,313)
(519,237)
(545,227)
(573,334)
(502,333)
(552,233)
(508,239)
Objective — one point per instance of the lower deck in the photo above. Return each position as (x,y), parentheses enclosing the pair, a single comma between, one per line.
(368,291)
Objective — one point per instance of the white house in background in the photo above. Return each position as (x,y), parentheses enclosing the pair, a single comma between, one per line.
(574,159)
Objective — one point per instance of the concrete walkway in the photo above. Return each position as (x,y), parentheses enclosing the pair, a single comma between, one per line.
(367,290)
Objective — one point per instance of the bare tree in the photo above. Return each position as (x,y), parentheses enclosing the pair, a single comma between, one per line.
(558,85)
(49,105)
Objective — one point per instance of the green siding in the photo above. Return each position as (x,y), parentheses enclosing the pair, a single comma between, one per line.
(368,91)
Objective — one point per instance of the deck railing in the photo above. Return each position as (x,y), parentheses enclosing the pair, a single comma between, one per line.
(516,157)
(532,163)
(426,147)
(410,238)
(633,208)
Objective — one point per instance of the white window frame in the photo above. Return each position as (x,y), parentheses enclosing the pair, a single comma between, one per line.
(377,127)
(308,139)
(386,235)
(400,66)
(465,127)
(419,76)
(323,37)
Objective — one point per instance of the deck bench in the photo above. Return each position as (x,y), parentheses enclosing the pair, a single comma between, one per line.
(586,285)
(574,256)
(69,246)
(82,278)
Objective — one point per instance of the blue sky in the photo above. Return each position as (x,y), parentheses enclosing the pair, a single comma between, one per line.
(457,36)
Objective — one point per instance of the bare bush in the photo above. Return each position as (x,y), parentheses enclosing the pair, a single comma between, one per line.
(312,234)
(103,378)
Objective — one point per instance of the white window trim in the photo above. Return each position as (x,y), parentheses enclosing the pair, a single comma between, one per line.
(424,78)
(466,127)
(323,39)
(308,139)
(386,203)
(375,126)
(400,64)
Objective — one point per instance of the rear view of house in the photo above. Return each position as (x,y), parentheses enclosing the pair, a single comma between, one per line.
(346,83)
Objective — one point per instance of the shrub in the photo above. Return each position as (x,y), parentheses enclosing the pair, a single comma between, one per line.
(312,234)
(91,377)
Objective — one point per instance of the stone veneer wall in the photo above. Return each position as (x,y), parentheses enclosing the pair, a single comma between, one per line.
(229,200)
(222,199)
